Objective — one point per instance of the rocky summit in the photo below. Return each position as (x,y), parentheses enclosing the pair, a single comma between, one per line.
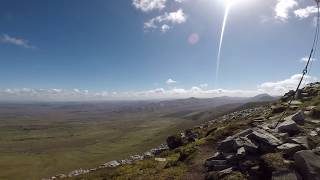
(252,143)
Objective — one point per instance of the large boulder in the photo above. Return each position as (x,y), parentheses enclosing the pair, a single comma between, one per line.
(288,126)
(261,136)
(307,163)
(174,142)
(297,117)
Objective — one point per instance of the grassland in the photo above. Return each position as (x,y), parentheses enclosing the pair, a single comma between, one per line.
(40,140)
(40,144)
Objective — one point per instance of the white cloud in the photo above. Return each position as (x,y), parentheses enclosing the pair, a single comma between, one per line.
(176,17)
(149,5)
(273,88)
(165,28)
(283,7)
(305,12)
(171,81)
(281,87)
(6,39)
(305,59)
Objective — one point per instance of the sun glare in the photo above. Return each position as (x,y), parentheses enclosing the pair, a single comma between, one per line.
(232,2)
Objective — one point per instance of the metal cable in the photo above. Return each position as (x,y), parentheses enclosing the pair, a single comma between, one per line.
(305,70)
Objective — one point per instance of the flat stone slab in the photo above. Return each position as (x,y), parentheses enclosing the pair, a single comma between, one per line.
(262,136)
(290,148)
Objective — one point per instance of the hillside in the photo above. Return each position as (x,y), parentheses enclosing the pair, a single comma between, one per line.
(43,139)
(248,144)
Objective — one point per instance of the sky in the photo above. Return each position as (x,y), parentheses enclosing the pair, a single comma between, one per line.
(152,49)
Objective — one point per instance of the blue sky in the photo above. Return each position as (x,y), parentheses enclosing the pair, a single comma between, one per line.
(133,49)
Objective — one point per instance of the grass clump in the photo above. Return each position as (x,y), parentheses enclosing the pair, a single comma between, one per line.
(274,161)
(234,175)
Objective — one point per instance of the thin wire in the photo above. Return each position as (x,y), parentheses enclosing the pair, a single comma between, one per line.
(316,45)
(305,70)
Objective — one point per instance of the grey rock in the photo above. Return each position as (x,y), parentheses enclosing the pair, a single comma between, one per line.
(112,164)
(302,140)
(227,144)
(290,148)
(313,133)
(283,136)
(307,163)
(246,144)
(262,136)
(241,152)
(288,126)
(225,172)
(297,117)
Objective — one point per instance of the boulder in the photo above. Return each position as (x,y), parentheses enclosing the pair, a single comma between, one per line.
(174,142)
(302,140)
(307,163)
(284,175)
(262,136)
(227,145)
(290,148)
(288,126)
(297,117)
(246,144)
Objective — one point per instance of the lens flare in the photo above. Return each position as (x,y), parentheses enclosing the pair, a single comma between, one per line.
(224,23)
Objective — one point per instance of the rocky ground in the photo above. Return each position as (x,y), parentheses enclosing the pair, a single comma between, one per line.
(248,144)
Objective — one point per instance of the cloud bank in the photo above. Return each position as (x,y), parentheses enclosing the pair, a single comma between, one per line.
(201,91)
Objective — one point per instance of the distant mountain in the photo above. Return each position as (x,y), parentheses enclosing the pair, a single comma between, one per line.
(263,98)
